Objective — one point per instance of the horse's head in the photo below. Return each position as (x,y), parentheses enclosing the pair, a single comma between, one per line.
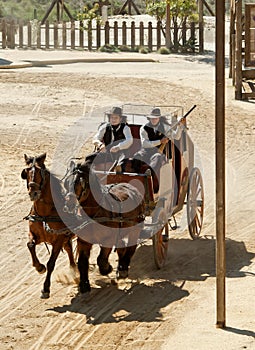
(77,185)
(34,174)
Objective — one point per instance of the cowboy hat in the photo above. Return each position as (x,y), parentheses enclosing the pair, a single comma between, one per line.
(115,110)
(155,113)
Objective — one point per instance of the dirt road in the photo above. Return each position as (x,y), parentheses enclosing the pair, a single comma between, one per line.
(172,308)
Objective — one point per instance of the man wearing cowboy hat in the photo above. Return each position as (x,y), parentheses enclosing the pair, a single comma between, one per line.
(113,138)
(153,135)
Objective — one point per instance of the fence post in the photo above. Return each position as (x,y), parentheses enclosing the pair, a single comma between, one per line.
(29,34)
(38,43)
(176,43)
(158,35)
(116,38)
(3,34)
(64,35)
(192,35)
(47,35)
(98,30)
(184,33)
(141,34)
(55,34)
(150,36)
(21,34)
(133,34)
(11,35)
(107,33)
(72,35)
(124,33)
(89,36)
(81,35)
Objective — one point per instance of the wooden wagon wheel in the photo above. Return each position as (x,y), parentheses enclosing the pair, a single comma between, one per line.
(160,238)
(195,203)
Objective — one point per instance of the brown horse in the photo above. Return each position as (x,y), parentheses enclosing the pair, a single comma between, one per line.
(114,215)
(45,225)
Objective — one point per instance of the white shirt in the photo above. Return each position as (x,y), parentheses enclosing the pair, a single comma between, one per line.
(124,144)
(174,134)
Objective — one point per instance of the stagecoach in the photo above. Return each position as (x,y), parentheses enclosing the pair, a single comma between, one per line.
(180,182)
(148,215)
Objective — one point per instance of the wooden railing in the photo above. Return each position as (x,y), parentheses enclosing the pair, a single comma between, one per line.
(75,35)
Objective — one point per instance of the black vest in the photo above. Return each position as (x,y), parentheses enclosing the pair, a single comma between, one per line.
(118,134)
(153,136)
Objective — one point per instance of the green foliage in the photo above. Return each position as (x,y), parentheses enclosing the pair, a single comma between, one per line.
(108,48)
(89,13)
(24,9)
(124,48)
(182,9)
(164,51)
(144,50)
(157,8)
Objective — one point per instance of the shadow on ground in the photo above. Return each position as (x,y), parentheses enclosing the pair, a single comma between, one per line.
(4,62)
(144,301)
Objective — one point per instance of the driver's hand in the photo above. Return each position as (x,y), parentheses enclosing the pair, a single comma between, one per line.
(165,140)
(114,149)
(182,121)
(101,148)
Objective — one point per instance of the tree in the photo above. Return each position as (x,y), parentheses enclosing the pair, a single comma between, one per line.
(180,11)
(90,13)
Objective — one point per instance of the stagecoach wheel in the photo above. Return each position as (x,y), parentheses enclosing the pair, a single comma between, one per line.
(160,238)
(195,203)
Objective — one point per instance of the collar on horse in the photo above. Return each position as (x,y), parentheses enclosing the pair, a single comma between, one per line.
(39,218)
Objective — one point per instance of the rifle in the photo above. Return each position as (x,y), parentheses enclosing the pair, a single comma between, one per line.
(163,145)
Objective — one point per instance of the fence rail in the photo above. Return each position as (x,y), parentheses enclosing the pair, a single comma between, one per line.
(79,35)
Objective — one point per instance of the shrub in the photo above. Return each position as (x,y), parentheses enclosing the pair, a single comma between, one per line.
(108,48)
(144,50)
(164,51)
(124,48)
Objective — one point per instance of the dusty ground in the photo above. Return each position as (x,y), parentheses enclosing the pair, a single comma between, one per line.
(173,308)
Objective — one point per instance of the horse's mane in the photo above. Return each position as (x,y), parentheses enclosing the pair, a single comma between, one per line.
(56,188)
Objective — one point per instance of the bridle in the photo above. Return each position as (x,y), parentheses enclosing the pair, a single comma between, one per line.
(73,179)
(32,183)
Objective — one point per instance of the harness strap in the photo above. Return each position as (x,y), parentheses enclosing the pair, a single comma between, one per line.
(38,218)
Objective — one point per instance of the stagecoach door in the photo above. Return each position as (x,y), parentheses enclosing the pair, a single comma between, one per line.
(166,187)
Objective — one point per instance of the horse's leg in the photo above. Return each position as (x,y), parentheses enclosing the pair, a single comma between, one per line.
(50,267)
(125,255)
(83,265)
(31,244)
(102,261)
(69,249)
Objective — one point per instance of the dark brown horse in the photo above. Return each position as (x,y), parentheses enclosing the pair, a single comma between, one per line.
(114,215)
(45,225)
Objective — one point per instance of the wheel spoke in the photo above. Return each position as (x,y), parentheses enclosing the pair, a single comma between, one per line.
(195,206)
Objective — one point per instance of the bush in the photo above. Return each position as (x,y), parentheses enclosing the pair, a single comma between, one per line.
(164,51)
(144,50)
(108,48)
(124,48)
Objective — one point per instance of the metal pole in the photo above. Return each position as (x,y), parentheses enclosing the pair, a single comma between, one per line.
(220,164)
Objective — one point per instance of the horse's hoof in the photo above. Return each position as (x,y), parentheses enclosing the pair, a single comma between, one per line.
(45,295)
(104,267)
(122,274)
(104,271)
(41,269)
(85,287)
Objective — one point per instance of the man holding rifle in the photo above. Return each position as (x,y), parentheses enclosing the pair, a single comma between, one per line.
(154,136)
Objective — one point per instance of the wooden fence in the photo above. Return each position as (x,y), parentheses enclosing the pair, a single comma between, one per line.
(75,35)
